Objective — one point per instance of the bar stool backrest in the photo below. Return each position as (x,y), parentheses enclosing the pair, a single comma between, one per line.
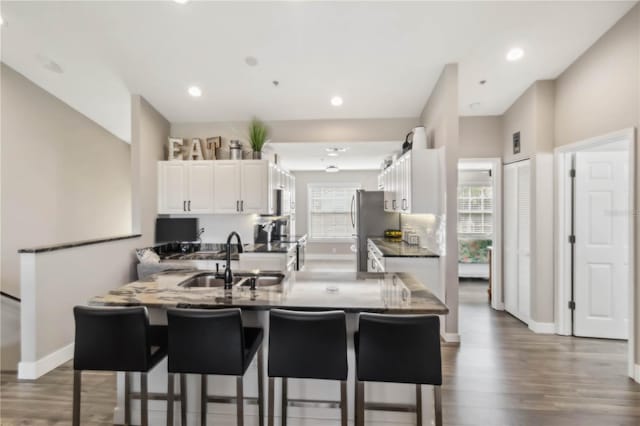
(311,345)
(111,339)
(399,349)
(203,341)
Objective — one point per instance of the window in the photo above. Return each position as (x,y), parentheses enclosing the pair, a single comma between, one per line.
(475,207)
(330,210)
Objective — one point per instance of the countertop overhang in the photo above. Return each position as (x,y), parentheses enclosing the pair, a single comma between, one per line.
(348,291)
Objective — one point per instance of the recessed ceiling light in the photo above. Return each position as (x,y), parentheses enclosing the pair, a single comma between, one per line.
(252,61)
(332,154)
(515,54)
(181,1)
(482,82)
(332,169)
(336,101)
(195,91)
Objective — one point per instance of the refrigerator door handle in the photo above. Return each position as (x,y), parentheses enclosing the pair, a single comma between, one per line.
(353,204)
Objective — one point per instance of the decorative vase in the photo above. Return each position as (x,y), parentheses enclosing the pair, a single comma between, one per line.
(257,155)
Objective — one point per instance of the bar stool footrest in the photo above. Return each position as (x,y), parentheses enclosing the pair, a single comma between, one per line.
(390,406)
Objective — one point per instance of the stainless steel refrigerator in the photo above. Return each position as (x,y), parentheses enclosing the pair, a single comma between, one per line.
(369,220)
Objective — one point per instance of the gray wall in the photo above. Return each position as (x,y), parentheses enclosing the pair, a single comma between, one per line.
(64,178)
(150,130)
(532,114)
(441,122)
(348,130)
(600,93)
(481,137)
(368,179)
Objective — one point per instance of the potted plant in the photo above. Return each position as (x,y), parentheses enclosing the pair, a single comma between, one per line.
(258,134)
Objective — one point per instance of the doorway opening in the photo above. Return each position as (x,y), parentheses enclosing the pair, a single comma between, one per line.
(480,226)
(595,238)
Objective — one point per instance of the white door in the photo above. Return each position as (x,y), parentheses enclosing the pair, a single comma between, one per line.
(254,186)
(172,187)
(200,187)
(602,245)
(516,240)
(524,250)
(226,181)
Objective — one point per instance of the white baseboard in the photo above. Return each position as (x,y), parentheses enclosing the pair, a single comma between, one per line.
(450,337)
(542,327)
(329,256)
(499,306)
(36,369)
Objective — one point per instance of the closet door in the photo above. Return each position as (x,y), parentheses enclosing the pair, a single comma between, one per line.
(524,247)
(510,238)
(517,252)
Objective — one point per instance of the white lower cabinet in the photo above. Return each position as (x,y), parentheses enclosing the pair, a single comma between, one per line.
(425,269)
(284,262)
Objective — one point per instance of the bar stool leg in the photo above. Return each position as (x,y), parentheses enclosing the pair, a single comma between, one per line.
(77,384)
(271,400)
(343,403)
(419,404)
(170,391)
(144,400)
(260,387)
(437,399)
(203,399)
(183,399)
(360,403)
(127,398)
(285,401)
(239,401)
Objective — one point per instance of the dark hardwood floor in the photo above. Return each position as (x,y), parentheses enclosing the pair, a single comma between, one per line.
(501,375)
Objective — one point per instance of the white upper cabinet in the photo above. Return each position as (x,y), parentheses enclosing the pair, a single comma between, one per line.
(414,183)
(254,186)
(227,186)
(185,187)
(200,188)
(220,186)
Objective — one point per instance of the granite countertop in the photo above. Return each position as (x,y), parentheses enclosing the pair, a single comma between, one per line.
(218,251)
(348,291)
(391,248)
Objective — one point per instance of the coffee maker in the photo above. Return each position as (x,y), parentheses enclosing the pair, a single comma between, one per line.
(271,230)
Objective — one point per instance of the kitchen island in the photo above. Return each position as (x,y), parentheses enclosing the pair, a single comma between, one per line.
(352,292)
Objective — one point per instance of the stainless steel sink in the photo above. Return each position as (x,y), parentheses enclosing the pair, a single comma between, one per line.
(208,280)
(264,279)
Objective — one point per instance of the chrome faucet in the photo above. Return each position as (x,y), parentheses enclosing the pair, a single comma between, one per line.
(228,275)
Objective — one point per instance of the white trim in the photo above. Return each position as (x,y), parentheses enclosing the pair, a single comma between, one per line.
(542,327)
(450,337)
(636,373)
(496,267)
(563,316)
(329,256)
(34,370)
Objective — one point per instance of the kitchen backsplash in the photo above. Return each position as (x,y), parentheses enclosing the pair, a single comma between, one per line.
(430,229)
(217,227)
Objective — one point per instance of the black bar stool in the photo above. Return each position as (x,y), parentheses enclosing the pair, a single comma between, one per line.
(398,349)
(116,339)
(307,345)
(211,342)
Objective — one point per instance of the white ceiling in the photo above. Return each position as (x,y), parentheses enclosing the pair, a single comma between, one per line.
(313,155)
(383,58)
